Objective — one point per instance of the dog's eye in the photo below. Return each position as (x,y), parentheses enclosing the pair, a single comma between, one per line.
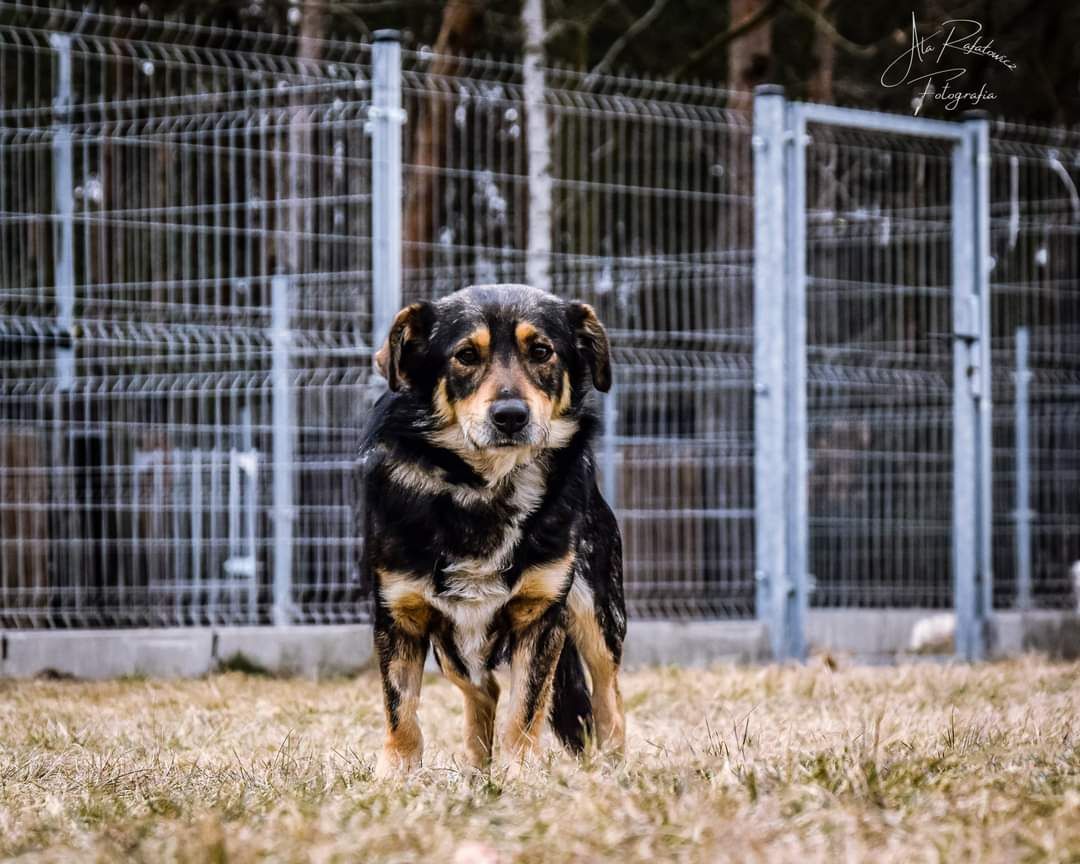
(467,356)
(539,353)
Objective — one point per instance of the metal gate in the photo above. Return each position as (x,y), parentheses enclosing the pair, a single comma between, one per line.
(872,363)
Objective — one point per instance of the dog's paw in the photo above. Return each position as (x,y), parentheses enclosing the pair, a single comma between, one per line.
(393,764)
(521,759)
(614,745)
(515,770)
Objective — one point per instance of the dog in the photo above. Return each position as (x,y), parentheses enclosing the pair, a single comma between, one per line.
(485,535)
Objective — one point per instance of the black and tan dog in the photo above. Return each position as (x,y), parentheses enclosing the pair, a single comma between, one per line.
(485,533)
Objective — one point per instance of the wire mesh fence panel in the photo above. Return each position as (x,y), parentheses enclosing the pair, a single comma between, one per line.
(879,357)
(653,204)
(650,203)
(1035,223)
(186,308)
(212,264)
(466,186)
(154,179)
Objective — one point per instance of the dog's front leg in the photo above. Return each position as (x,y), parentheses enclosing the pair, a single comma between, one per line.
(401,663)
(480,702)
(533,660)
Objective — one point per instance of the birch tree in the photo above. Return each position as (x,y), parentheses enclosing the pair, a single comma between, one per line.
(538,154)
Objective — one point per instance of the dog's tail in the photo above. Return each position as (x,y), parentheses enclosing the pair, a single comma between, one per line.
(571,707)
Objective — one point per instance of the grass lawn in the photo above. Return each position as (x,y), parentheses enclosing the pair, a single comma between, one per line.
(914,763)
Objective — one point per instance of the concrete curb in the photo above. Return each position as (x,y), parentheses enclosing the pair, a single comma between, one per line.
(1056,634)
(872,635)
(886,634)
(695,643)
(309,651)
(99,654)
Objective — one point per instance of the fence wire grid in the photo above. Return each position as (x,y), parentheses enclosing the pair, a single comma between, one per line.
(186,322)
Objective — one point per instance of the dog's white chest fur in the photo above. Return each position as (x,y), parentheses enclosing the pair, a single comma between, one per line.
(474,602)
(475,589)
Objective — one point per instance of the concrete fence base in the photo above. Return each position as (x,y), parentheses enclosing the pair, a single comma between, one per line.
(311,652)
(868,635)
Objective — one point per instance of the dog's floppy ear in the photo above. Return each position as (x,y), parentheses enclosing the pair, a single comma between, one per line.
(408,334)
(592,341)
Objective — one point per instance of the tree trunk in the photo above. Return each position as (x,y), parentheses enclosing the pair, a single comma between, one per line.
(459,25)
(538,255)
(820,86)
(749,54)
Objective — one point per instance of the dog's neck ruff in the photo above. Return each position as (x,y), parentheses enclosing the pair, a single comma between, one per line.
(437,460)
(514,477)
(495,464)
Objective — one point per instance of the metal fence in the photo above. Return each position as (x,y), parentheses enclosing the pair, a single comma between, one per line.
(187,314)
(1035,226)
(652,201)
(880,376)
(184,320)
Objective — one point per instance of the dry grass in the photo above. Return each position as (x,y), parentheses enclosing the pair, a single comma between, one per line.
(887,764)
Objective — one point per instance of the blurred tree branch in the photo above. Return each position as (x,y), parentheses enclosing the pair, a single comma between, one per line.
(631,32)
(818,17)
(744,26)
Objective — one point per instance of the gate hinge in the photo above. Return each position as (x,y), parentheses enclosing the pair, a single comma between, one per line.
(975,381)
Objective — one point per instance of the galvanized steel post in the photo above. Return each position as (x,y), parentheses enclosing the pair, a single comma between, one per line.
(774,384)
(1022,514)
(979,126)
(283,415)
(609,449)
(965,387)
(64,202)
(971,390)
(63,252)
(386,118)
(797,591)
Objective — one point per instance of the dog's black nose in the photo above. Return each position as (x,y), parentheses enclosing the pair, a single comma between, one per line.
(509,415)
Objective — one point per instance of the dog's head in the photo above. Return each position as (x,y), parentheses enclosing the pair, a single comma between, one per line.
(502,366)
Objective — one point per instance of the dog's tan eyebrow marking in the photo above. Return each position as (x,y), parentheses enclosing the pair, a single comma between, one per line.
(524,332)
(480,338)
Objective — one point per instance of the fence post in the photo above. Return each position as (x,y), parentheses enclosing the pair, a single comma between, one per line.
(775,471)
(1023,513)
(386,119)
(64,202)
(608,449)
(283,419)
(63,265)
(980,131)
(971,556)
(797,590)
(964,398)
